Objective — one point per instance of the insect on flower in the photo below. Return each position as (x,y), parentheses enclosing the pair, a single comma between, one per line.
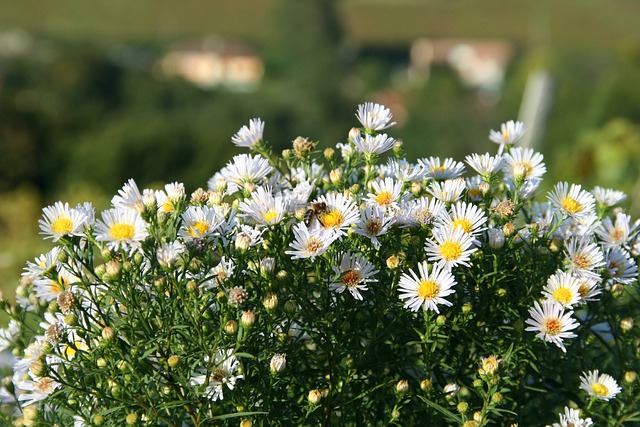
(315,211)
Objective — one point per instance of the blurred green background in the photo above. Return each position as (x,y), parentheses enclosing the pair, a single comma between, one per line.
(93,93)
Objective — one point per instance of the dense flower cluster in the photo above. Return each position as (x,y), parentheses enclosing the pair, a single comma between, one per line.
(374,286)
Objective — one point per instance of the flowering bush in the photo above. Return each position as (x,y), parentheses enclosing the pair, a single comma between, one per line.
(329,287)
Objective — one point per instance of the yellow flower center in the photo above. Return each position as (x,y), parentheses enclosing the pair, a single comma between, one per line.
(427,289)
(45,385)
(600,389)
(581,262)
(374,226)
(436,169)
(167,206)
(313,245)
(198,229)
(463,223)
(384,198)
(122,231)
(571,206)
(552,327)
(270,215)
(525,165)
(62,225)
(617,234)
(562,295)
(451,250)
(332,219)
(351,278)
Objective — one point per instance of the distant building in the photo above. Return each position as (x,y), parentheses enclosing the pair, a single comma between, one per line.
(214,62)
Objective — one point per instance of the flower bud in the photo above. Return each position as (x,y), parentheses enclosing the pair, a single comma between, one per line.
(329,153)
(393,262)
(108,333)
(243,242)
(508,229)
(38,367)
(290,307)
(402,386)
(497,398)
(630,377)
(30,412)
(335,176)
(98,420)
(496,238)
(132,419)
(267,266)
(617,290)
(231,327)
(113,271)
(626,324)
(485,188)
(441,320)
(173,361)
(270,302)
(71,319)
(489,364)
(477,416)
(470,423)
(467,307)
(278,363)
(283,277)
(248,319)
(246,423)
(101,362)
(462,407)
(315,396)
(354,134)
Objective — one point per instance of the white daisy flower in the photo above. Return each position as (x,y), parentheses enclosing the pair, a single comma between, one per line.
(509,133)
(249,136)
(583,258)
(467,216)
(572,201)
(342,212)
(441,170)
(128,196)
(542,216)
(217,375)
(620,266)
(263,208)
(42,264)
(89,213)
(172,196)
(607,197)
(298,196)
(121,228)
(247,237)
(422,211)
(563,288)
(386,193)
(615,233)
(33,352)
(524,160)
(427,290)
(404,171)
(448,191)
(48,289)
(485,164)
(374,117)
(310,243)
(474,188)
(551,323)
(168,253)
(450,247)
(579,226)
(245,169)
(201,222)
(315,173)
(8,334)
(589,289)
(374,222)
(571,418)
(60,220)
(35,390)
(600,386)
(353,274)
(372,144)
(528,188)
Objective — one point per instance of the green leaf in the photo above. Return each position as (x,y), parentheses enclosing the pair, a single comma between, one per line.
(448,414)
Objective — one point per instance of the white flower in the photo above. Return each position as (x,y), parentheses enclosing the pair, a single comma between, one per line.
(278,362)
(169,199)
(616,233)
(249,136)
(36,390)
(620,266)
(121,228)
(201,222)
(563,288)
(374,222)
(571,418)
(245,169)
(8,334)
(600,386)
(551,323)
(448,191)
(48,289)
(263,208)
(353,274)
(342,212)
(371,144)
(509,133)
(608,197)
(450,247)
(526,160)
(589,288)
(437,169)
(404,171)
(485,164)
(168,253)
(422,211)
(310,243)
(374,117)
(60,220)
(42,264)
(467,216)
(583,258)
(427,290)
(221,373)
(572,201)
(128,197)
(247,237)
(386,193)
